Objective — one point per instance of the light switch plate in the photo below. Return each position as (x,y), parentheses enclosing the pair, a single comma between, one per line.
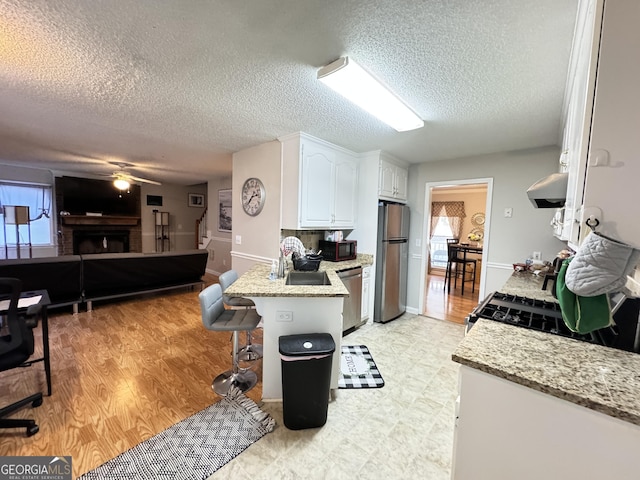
(508,212)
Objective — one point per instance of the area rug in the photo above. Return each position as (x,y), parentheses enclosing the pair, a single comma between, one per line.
(193,448)
(357,368)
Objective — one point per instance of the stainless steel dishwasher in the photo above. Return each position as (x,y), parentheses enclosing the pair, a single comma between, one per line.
(352,308)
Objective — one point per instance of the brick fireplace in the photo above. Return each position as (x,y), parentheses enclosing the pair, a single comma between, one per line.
(100,241)
(82,234)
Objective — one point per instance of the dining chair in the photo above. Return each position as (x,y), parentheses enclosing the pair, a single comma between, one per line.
(457,267)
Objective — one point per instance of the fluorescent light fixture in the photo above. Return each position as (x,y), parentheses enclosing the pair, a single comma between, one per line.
(121,184)
(357,85)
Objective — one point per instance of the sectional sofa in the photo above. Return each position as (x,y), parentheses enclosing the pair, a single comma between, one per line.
(73,279)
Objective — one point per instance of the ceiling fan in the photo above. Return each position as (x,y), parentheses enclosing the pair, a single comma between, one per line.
(122,179)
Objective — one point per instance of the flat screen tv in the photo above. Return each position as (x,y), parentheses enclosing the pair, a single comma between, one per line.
(81,195)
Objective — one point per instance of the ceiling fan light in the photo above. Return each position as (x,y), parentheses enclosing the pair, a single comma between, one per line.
(121,184)
(358,86)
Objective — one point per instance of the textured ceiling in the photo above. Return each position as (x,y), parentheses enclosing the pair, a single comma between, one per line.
(174,87)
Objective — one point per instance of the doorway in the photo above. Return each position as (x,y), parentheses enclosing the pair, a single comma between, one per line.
(453,209)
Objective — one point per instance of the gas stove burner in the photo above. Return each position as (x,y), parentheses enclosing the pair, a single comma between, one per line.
(540,315)
(499,315)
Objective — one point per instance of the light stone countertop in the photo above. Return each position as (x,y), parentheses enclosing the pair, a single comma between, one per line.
(600,378)
(256,283)
(526,284)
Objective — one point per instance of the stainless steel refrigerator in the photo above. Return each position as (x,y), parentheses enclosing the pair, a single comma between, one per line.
(391,262)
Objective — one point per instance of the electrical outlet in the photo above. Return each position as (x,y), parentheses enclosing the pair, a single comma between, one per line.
(536,257)
(282,316)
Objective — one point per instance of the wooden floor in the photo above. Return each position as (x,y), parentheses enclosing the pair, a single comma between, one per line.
(132,368)
(121,374)
(454,306)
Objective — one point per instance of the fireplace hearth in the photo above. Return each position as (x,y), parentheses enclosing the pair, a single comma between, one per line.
(87,242)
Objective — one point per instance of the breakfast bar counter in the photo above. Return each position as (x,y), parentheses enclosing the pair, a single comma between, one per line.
(256,283)
(292,310)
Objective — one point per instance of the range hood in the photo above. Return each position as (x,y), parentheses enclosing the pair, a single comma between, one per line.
(549,192)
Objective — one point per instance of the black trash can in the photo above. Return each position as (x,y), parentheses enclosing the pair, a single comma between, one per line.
(306,378)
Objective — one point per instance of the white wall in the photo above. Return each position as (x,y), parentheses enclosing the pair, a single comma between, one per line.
(218,243)
(182,217)
(260,235)
(510,239)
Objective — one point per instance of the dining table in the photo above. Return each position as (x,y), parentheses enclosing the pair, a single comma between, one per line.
(466,248)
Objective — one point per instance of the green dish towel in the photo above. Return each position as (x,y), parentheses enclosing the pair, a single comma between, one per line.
(581,314)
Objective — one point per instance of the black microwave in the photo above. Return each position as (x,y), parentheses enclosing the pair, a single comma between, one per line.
(338,251)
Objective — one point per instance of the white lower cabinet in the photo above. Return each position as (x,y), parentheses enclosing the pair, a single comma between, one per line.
(507,431)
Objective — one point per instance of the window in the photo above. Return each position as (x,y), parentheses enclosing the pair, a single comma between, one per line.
(446,222)
(438,245)
(38,199)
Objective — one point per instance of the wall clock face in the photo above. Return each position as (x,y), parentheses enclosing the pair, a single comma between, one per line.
(253,196)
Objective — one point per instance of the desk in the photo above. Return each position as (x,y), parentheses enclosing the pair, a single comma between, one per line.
(43,303)
(465,249)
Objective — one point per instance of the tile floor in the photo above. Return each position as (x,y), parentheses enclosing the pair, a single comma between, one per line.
(402,430)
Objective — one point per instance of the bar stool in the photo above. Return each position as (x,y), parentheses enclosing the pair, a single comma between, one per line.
(250,352)
(215,317)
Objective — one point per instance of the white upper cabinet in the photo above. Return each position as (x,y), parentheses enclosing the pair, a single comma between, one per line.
(613,160)
(601,139)
(320,183)
(392,181)
(579,96)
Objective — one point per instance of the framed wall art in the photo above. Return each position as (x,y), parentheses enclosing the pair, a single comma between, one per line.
(224,210)
(196,200)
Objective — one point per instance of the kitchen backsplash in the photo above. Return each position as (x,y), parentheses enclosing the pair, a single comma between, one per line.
(309,238)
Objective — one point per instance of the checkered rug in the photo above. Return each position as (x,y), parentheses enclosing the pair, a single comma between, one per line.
(193,448)
(357,368)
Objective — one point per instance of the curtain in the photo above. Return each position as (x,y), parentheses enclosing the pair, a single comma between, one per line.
(453,211)
(446,221)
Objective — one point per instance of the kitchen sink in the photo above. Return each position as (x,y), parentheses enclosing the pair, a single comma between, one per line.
(307,278)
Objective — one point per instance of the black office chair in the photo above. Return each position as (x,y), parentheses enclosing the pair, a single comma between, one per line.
(457,267)
(16,346)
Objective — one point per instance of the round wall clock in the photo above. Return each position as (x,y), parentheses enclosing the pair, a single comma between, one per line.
(477,219)
(253,196)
